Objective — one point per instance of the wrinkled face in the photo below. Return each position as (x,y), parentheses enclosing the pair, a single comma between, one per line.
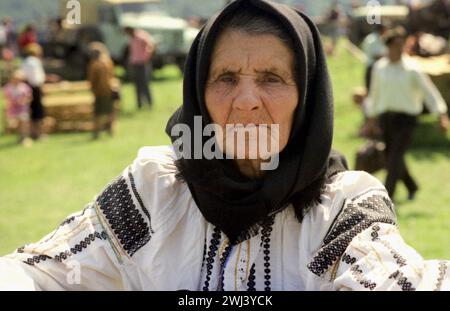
(252,81)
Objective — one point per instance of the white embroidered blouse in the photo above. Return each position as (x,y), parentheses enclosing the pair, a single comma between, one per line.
(145,232)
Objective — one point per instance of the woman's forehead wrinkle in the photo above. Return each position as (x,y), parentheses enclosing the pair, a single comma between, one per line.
(248,61)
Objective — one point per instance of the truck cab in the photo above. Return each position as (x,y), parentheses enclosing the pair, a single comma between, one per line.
(104,21)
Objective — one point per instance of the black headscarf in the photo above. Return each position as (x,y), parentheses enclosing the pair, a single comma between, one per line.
(232,202)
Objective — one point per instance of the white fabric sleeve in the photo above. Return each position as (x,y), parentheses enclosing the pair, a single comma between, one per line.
(91,250)
(362,248)
(78,255)
(379,259)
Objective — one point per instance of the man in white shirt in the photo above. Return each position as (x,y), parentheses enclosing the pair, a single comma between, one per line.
(398,89)
(374,48)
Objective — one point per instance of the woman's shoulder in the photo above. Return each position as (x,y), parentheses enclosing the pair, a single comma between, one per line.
(360,191)
(152,176)
(352,202)
(154,163)
(148,187)
(350,184)
(351,198)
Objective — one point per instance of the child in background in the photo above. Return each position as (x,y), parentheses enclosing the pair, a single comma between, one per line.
(18,97)
(35,76)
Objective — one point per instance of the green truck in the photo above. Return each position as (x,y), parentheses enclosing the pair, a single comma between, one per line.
(104,20)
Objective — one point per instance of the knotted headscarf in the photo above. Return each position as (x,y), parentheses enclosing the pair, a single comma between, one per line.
(237,204)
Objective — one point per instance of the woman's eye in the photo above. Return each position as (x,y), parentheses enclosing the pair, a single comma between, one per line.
(227,78)
(271,79)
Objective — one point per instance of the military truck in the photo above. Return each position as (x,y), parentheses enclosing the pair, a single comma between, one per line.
(391,15)
(104,20)
(432,17)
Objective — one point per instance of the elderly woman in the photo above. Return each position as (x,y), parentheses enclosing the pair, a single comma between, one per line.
(170,222)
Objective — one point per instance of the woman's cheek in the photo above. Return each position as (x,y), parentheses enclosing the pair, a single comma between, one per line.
(217,102)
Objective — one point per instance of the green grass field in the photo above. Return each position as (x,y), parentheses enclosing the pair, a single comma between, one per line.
(41,185)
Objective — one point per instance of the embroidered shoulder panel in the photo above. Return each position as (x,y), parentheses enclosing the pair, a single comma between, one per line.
(355,216)
(124,218)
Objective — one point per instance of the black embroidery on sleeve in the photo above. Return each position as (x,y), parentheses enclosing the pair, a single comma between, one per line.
(398,258)
(442,271)
(71,219)
(358,275)
(402,281)
(123,217)
(139,199)
(77,248)
(66,222)
(374,233)
(355,217)
(350,260)
(36,259)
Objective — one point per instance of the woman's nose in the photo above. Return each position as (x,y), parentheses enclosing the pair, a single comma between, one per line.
(247,98)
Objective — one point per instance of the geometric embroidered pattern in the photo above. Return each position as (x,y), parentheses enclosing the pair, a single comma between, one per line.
(358,274)
(71,219)
(398,258)
(265,239)
(251,279)
(353,219)
(213,248)
(67,222)
(442,270)
(402,281)
(223,260)
(374,233)
(78,248)
(348,259)
(36,259)
(138,197)
(123,217)
(204,253)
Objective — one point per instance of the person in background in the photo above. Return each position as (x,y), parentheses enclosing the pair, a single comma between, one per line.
(27,37)
(2,36)
(397,91)
(18,96)
(100,76)
(35,77)
(374,48)
(333,19)
(141,48)
(11,36)
(55,38)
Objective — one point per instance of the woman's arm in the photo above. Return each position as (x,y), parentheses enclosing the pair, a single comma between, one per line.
(78,255)
(363,249)
(90,250)
(379,259)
